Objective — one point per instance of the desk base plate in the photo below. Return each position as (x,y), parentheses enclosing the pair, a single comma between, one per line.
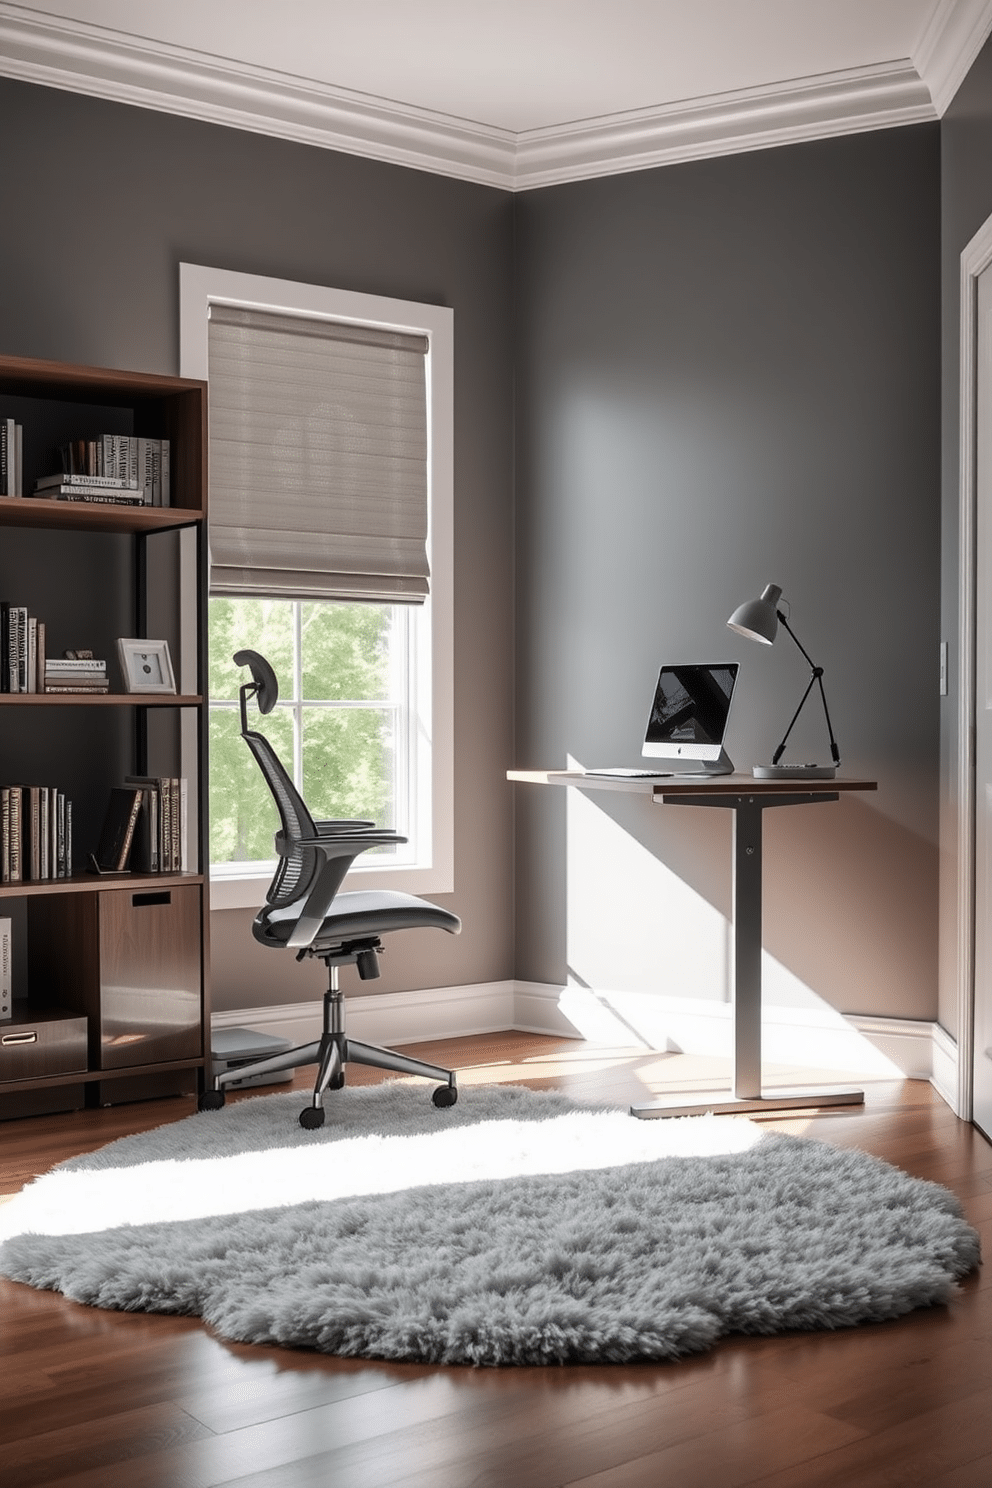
(725,1104)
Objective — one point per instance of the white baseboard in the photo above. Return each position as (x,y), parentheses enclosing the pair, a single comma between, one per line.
(390,1017)
(820,1038)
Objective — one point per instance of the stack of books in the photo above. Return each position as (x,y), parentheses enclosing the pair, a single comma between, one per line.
(75,674)
(35,833)
(6,969)
(11,458)
(144,829)
(142,464)
(22,649)
(105,490)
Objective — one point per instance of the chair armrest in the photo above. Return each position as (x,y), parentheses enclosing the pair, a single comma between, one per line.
(327,828)
(338,851)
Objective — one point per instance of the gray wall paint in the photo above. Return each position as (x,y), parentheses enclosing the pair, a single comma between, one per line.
(108,200)
(966,202)
(728,374)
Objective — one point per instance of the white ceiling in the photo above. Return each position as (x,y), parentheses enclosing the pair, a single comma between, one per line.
(515,93)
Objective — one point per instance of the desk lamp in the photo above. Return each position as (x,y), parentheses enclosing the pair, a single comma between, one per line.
(758,619)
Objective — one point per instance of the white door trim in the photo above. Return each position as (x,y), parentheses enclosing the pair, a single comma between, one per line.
(976,257)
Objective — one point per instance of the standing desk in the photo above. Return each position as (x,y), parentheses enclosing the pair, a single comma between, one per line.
(748,799)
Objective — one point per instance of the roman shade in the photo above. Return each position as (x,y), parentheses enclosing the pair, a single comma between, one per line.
(318,458)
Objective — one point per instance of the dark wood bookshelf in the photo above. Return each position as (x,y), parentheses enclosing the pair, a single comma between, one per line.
(99,699)
(91,950)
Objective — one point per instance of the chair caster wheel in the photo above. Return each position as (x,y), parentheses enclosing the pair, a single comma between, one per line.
(338,1082)
(445,1095)
(211,1100)
(312,1117)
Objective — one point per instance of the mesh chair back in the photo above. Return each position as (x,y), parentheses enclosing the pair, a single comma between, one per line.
(298,862)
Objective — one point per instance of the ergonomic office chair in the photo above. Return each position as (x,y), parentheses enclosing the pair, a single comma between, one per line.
(303,912)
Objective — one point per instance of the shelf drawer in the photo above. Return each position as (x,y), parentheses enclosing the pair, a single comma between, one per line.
(149,976)
(49,1042)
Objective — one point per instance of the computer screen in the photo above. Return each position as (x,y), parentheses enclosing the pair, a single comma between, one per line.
(690,711)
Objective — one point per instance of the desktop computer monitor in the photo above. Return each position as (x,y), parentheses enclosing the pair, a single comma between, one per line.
(689,714)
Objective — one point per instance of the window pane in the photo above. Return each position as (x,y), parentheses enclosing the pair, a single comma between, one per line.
(243,817)
(348,763)
(263,625)
(345,649)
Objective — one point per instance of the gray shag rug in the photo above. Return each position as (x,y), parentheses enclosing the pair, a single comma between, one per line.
(514,1228)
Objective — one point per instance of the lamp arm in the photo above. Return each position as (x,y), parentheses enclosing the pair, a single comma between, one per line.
(816,678)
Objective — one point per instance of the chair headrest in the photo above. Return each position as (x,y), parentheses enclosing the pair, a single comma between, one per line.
(266,686)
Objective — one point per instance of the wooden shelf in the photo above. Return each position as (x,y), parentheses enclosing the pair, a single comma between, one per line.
(100,700)
(90,1076)
(91,883)
(81,516)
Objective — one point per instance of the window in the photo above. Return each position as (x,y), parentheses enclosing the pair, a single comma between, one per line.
(364,714)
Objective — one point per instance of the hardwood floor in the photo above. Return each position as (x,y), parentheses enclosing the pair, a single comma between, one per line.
(95,1400)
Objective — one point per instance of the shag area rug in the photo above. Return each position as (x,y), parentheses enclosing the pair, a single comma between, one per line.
(513,1228)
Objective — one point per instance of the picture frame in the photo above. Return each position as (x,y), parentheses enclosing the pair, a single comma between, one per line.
(146,666)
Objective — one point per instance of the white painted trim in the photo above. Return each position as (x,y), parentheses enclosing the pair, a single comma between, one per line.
(976,257)
(84,58)
(944,1054)
(390,1017)
(848,102)
(819,1038)
(953,38)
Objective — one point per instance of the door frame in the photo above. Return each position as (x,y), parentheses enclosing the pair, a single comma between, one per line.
(977,257)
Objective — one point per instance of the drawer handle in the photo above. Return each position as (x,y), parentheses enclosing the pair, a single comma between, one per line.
(18,1038)
(160,896)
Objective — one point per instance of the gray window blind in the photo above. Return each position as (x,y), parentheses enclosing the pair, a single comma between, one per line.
(318,458)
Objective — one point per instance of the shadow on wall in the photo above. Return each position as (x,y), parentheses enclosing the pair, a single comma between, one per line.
(647,905)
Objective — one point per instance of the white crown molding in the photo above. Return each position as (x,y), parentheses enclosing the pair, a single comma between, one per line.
(103,63)
(81,58)
(956,33)
(848,102)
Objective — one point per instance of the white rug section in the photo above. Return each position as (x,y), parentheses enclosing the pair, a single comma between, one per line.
(512,1228)
(74,1203)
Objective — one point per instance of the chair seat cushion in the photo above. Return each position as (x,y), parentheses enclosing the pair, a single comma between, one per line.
(369,912)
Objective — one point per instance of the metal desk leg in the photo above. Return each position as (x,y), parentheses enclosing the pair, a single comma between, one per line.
(747,1096)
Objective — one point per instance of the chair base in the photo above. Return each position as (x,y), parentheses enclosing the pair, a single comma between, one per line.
(330,1053)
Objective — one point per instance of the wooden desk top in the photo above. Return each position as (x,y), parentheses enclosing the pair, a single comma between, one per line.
(664,786)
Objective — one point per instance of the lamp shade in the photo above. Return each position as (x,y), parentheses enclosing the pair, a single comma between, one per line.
(758,618)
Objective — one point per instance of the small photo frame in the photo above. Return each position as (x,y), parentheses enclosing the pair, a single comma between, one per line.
(145,665)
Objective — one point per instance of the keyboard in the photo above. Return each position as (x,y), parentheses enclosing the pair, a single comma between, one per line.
(622,774)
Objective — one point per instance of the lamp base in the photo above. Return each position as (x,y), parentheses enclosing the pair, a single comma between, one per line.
(794,772)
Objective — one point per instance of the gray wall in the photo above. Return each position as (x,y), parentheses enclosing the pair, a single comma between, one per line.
(966,202)
(107,200)
(728,374)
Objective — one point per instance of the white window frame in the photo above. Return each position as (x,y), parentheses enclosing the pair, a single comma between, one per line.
(199,286)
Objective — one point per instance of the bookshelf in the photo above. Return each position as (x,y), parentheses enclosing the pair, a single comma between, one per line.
(109,972)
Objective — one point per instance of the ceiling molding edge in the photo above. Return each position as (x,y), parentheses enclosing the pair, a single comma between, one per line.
(836,103)
(957,31)
(82,58)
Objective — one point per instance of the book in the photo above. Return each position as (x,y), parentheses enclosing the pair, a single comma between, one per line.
(11,457)
(6,970)
(100,482)
(63,686)
(5,834)
(12,799)
(4,645)
(30,828)
(117,833)
(95,494)
(146,852)
(74,664)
